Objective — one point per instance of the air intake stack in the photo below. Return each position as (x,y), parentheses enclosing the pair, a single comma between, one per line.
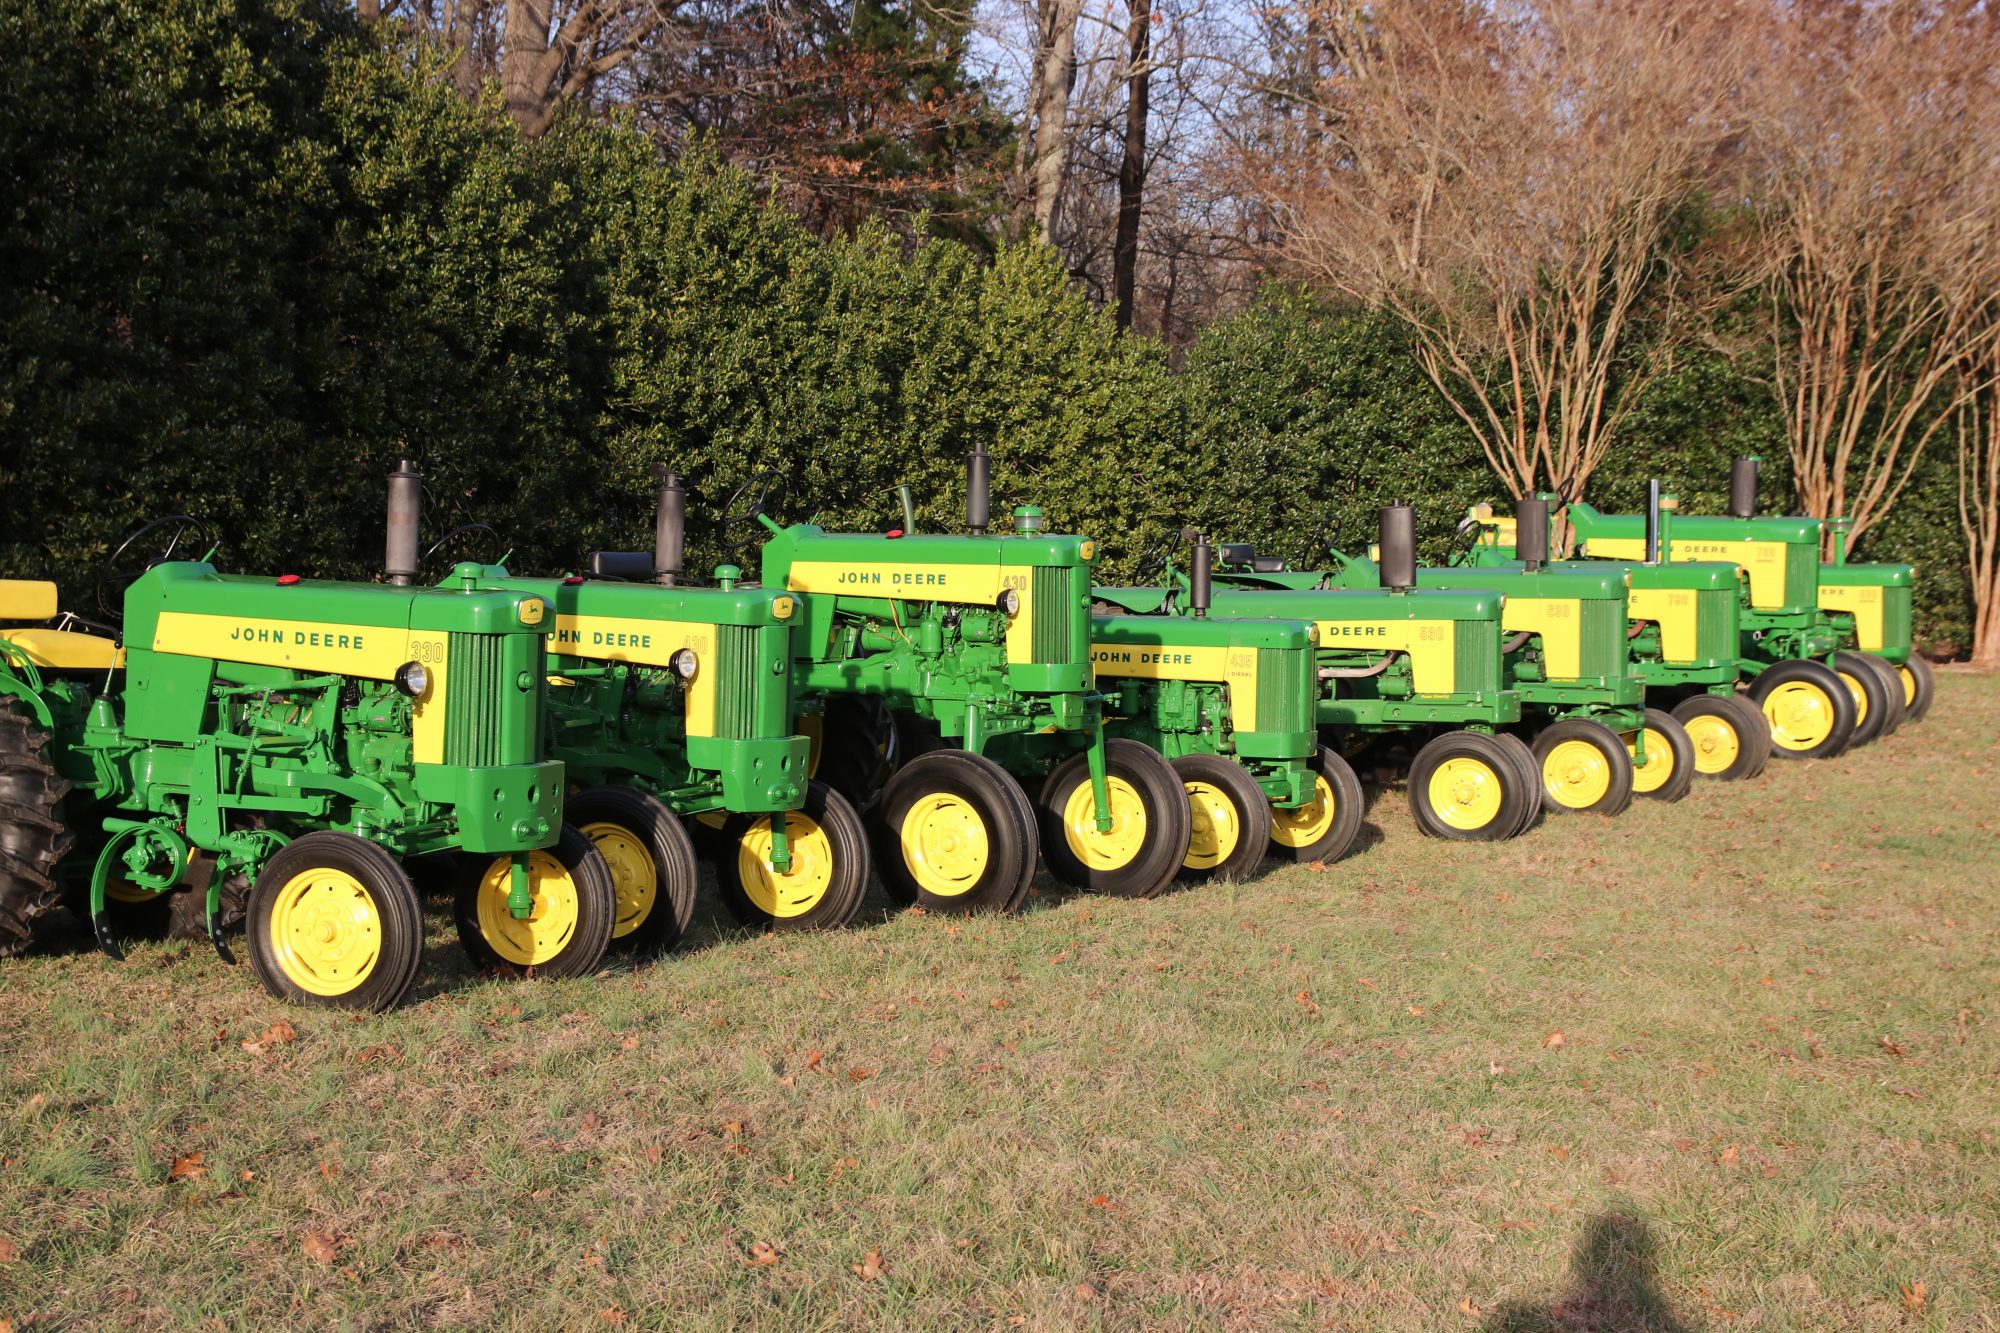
(406,506)
(1201,574)
(978,490)
(1531,532)
(1397,547)
(669,529)
(1743,488)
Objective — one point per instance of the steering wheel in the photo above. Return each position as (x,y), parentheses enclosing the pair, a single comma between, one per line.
(149,544)
(746,504)
(1152,561)
(1322,541)
(460,535)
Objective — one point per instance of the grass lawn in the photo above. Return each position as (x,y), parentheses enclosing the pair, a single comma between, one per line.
(1727,1064)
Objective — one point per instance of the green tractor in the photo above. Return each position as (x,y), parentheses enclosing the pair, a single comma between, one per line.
(669,702)
(1396,668)
(1871,606)
(979,646)
(293,741)
(1681,639)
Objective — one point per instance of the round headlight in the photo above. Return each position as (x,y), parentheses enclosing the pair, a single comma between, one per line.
(684,663)
(1009,601)
(412,679)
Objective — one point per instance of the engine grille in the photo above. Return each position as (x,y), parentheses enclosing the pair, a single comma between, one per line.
(1895,616)
(737,681)
(1602,630)
(487,720)
(1055,608)
(1713,641)
(1801,575)
(1285,689)
(1476,657)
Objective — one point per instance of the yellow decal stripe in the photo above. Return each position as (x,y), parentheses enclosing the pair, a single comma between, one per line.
(1234,668)
(968,585)
(1431,644)
(647,643)
(1864,604)
(1764,561)
(1674,611)
(1559,621)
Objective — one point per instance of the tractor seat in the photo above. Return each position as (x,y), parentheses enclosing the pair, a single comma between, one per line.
(1245,555)
(632,566)
(57,649)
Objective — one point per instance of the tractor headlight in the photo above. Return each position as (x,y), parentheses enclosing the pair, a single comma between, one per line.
(684,663)
(412,679)
(1009,601)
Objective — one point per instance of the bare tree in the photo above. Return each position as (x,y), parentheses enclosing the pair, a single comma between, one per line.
(1038,171)
(1875,153)
(1507,179)
(1132,159)
(1976,425)
(554,50)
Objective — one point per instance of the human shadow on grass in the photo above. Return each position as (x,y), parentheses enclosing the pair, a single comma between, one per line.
(1615,1287)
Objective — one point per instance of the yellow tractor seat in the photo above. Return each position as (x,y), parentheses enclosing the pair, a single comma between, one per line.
(27,599)
(66,650)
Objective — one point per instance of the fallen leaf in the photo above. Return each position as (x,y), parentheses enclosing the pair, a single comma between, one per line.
(998,1003)
(1891,1047)
(1559,1152)
(940,1053)
(611,1315)
(246,1176)
(1729,1156)
(1417,1010)
(630,1042)
(762,1255)
(188,1166)
(328,1170)
(813,1058)
(1553,1039)
(1305,998)
(1913,1294)
(870,1267)
(320,1247)
(9,1251)
(1364,981)
(1317,867)
(1103,1201)
(1466,1307)
(734,1127)
(1085,1292)
(278,1034)
(857,1075)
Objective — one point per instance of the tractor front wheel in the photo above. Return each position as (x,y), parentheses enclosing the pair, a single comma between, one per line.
(1809,708)
(1668,772)
(334,922)
(1585,768)
(652,864)
(1467,786)
(949,835)
(568,928)
(1919,686)
(1231,818)
(1728,738)
(1324,828)
(1150,825)
(1894,711)
(1870,694)
(828,877)
(1530,774)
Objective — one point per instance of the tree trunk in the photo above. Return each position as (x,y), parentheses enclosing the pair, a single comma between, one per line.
(462,37)
(369,10)
(1038,176)
(523,73)
(1132,166)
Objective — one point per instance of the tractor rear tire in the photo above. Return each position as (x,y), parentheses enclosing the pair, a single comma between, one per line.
(187,908)
(850,751)
(334,922)
(1919,686)
(1585,768)
(829,876)
(33,837)
(651,860)
(1894,711)
(1468,787)
(1757,727)
(1809,709)
(949,837)
(1870,694)
(1530,774)
(1668,773)
(575,908)
(1151,827)
(1325,830)
(1728,738)
(1230,818)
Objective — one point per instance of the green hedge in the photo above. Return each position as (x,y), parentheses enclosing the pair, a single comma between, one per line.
(254,256)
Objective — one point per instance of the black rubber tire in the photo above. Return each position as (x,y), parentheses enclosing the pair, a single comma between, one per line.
(399,955)
(847,864)
(1920,690)
(1247,812)
(596,910)
(33,836)
(849,753)
(1618,789)
(1498,762)
(1897,711)
(1335,780)
(987,792)
(1530,776)
(434,873)
(1163,804)
(635,817)
(1664,728)
(1751,733)
(1839,705)
(1871,706)
(187,908)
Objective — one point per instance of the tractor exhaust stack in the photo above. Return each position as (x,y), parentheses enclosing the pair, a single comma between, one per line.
(406,504)
(1531,533)
(669,529)
(1201,571)
(1653,518)
(1743,488)
(1397,547)
(978,490)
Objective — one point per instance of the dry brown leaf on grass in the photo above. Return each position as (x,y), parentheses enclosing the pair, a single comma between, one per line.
(611,1315)
(872,1266)
(278,1034)
(328,1170)
(813,1059)
(1467,1308)
(858,1075)
(762,1255)
(321,1247)
(9,1251)
(1914,1298)
(188,1166)
(1103,1201)
(1553,1040)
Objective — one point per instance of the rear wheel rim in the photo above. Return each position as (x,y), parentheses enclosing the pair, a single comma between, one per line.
(1801,715)
(1109,849)
(1309,823)
(1716,744)
(634,877)
(1465,793)
(326,931)
(945,844)
(551,923)
(1577,774)
(798,890)
(1658,768)
(1217,826)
